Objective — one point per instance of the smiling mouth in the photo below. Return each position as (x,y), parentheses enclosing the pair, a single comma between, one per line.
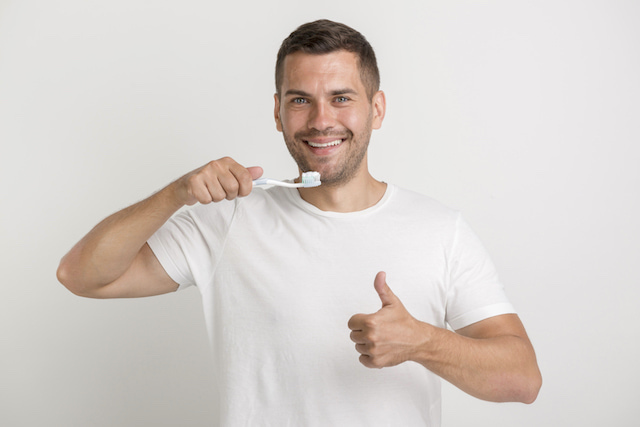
(325,144)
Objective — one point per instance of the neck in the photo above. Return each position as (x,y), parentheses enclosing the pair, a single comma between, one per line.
(361,192)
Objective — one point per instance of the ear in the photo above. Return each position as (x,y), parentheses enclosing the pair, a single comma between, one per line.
(276,112)
(379,105)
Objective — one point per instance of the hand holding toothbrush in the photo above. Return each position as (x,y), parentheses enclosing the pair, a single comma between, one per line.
(226,179)
(216,181)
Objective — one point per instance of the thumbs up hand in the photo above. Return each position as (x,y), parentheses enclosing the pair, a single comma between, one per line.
(389,336)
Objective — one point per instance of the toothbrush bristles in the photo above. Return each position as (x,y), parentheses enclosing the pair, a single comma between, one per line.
(310,179)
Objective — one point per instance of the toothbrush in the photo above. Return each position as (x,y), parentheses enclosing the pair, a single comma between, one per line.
(309,179)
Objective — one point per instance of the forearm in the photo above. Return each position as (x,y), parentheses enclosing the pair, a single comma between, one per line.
(112,261)
(500,369)
(108,250)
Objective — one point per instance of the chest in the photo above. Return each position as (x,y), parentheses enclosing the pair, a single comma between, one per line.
(321,274)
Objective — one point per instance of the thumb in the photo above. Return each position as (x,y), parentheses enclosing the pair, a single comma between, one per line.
(387,297)
(255,171)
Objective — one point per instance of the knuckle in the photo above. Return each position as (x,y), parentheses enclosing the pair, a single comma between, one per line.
(372,338)
(244,191)
(374,349)
(193,180)
(215,193)
(232,187)
(217,198)
(371,322)
(213,166)
(245,181)
(244,174)
(371,361)
(202,197)
(226,161)
(377,364)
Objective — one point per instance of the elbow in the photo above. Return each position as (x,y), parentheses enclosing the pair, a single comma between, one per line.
(528,380)
(67,276)
(521,387)
(530,393)
(526,388)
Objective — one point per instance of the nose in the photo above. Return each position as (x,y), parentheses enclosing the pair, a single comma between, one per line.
(321,117)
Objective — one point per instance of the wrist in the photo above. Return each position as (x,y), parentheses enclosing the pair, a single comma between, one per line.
(175,195)
(426,338)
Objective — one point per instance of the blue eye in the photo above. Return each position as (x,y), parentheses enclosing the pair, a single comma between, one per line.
(342,99)
(299,100)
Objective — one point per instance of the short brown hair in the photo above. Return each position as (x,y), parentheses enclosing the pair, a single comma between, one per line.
(324,36)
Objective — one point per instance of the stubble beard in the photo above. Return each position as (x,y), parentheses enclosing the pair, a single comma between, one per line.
(347,166)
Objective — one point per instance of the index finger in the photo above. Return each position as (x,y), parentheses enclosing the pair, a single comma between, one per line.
(245,177)
(356,322)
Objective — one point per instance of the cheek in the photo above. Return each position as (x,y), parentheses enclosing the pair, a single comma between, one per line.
(355,121)
(292,120)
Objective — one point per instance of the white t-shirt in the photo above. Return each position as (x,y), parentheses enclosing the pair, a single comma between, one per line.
(280,279)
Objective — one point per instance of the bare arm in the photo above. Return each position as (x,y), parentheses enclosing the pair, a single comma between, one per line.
(492,359)
(113,259)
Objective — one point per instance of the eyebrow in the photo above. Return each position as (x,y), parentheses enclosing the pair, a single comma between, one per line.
(345,91)
(296,92)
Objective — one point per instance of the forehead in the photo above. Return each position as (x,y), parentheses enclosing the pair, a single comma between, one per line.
(316,71)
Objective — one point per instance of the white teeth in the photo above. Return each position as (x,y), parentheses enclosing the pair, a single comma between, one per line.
(326,144)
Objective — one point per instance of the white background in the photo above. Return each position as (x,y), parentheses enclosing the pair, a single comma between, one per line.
(524,115)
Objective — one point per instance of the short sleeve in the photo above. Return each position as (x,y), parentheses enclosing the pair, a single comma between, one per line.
(189,245)
(475,292)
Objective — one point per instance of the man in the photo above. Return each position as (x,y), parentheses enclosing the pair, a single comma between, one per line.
(284,272)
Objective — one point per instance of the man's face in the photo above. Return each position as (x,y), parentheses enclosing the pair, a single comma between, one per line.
(325,115)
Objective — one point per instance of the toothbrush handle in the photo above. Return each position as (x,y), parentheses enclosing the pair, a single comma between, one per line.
(268,181)
(261,181)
